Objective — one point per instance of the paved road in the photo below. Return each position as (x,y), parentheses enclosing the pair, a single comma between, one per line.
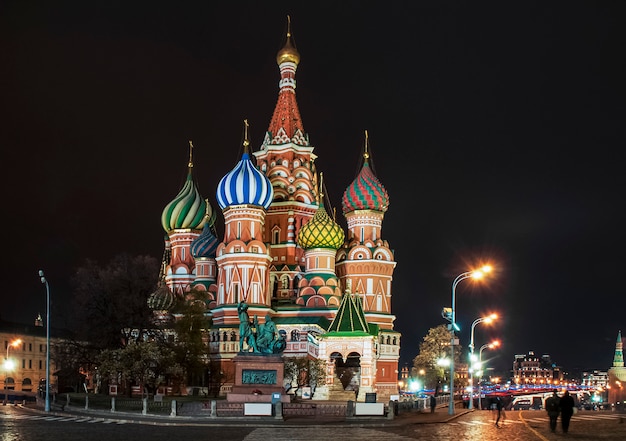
(22,424)
(519,426)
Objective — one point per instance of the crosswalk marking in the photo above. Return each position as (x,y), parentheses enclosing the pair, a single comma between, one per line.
(75,419)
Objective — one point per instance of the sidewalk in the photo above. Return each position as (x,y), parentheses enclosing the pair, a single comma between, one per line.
(403,418)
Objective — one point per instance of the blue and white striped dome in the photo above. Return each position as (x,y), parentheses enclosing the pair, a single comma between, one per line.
(245,185)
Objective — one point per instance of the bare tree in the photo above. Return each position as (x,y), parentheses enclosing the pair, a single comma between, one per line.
(111,301)
(304,371)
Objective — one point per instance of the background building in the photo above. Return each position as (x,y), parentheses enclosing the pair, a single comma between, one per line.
(28,355)
(534,370)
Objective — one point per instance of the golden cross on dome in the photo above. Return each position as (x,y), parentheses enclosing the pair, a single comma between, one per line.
(246,142)
(190,165)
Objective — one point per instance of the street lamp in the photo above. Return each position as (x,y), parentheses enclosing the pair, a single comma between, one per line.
(491,345)
(44,281)
(477,275)
(487,319)
(8,366)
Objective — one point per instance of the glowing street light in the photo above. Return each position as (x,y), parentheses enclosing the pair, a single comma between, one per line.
(476,275)
(491,345)
(8,366)
(488,319)
(44,281)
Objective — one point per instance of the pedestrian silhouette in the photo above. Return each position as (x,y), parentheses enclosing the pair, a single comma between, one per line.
(498,409)
(433,403)
(553,407)
(567,410)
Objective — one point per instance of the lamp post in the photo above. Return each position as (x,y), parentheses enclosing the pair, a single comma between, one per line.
(480,361)
(8,365)
(487,319)
(45,282)
(474,274)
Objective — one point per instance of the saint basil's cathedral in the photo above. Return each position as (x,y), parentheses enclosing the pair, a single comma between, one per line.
(283,254)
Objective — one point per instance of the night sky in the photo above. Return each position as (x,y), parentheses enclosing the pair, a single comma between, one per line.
(496,127)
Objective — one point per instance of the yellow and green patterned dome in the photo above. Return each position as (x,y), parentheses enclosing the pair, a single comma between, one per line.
(321,232)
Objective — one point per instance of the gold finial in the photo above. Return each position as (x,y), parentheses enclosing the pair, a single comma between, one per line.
(288,26)
(321,187)
(190,165)
(335,214)
(246,142)
(288,53)
(206,208)
(366,154)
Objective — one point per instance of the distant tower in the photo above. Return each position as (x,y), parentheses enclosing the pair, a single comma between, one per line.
(617,376)
(618,359)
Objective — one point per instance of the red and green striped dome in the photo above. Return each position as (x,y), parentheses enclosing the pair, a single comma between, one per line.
(365,193)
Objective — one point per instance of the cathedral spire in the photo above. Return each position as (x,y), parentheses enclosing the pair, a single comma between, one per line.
(286,124)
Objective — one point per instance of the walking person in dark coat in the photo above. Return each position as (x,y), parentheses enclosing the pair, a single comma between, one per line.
(567,410)
(498,409)
(553,407)
(433,403)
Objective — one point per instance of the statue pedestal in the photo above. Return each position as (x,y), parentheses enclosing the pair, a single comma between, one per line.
(257,378)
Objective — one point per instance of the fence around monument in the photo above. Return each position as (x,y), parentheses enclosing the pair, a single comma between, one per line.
(189,407)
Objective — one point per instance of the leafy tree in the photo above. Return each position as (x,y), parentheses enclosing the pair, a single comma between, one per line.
(111,301)
(147,364)
(435,346)
(303,371)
